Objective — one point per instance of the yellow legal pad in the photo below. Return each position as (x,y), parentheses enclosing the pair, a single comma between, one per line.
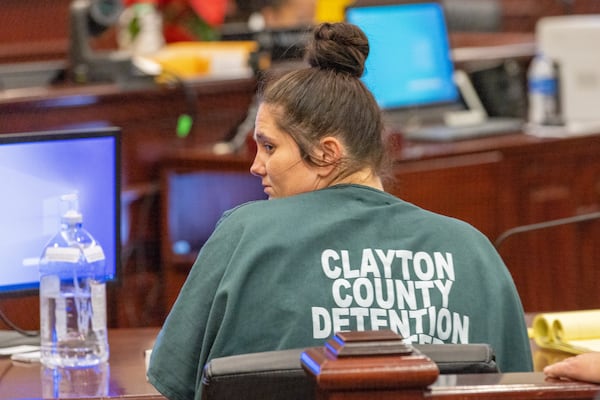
(571,331)
(230,59)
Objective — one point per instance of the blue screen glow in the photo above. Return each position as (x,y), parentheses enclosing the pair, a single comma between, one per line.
(409,62)
(36,169)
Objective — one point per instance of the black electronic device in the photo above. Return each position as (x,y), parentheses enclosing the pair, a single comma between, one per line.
(90,18)
(411,73)
(36,169)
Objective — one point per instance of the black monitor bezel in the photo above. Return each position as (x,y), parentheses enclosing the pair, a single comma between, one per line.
(60,134)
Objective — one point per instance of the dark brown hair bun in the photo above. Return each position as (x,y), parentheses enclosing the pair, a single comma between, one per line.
(341,47)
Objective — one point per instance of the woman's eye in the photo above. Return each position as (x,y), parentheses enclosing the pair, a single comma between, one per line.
(268,147)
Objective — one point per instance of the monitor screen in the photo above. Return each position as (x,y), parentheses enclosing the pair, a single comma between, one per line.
(409,62)
(36,170)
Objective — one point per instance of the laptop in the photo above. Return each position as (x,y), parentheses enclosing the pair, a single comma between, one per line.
(410,72)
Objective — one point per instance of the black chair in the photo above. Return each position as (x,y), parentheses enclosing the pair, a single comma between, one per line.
(279,374)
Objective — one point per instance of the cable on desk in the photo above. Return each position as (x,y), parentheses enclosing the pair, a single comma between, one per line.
(191,100)
(14,327)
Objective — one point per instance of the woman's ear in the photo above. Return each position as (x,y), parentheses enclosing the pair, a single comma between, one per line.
(332,152)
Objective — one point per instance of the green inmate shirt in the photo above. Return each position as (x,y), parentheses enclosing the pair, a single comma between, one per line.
(289,273)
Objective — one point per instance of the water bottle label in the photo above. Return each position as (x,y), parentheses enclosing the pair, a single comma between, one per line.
(50,286)
(93,254)
(98,291)
(60,313)
(62,254)
(545,86)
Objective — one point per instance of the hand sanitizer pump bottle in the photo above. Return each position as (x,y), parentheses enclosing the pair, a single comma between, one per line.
(72,295)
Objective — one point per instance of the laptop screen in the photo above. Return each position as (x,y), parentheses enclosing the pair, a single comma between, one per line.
(409,63)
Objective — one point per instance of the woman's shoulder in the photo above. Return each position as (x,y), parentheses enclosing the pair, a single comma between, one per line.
(345,200)
(297,206)
(451,226)
(248,210)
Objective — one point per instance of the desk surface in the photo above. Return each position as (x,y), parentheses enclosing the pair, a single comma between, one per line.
(123,376)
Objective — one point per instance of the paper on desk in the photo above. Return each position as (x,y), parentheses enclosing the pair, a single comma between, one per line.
(229,59)
(22,348)
(571,331)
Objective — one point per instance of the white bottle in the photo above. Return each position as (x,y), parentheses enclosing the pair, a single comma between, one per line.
(141,29)
(543,91)
(73,295)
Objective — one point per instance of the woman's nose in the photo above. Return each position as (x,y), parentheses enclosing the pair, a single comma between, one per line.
(257,167)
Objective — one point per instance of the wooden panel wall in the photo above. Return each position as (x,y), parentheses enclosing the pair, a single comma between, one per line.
(148,119)
(33,30)
(521,15)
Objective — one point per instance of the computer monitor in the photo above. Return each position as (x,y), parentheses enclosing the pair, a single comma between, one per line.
(36,169)
(409,63)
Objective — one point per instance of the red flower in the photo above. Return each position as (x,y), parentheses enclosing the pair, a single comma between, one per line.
(212,11)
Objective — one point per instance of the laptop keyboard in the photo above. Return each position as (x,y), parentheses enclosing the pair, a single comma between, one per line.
(491,126)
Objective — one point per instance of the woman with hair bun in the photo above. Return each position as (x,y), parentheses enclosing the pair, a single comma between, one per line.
(331,250)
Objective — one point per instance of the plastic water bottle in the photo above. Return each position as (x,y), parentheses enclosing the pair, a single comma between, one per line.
(543,91)
(72,295)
